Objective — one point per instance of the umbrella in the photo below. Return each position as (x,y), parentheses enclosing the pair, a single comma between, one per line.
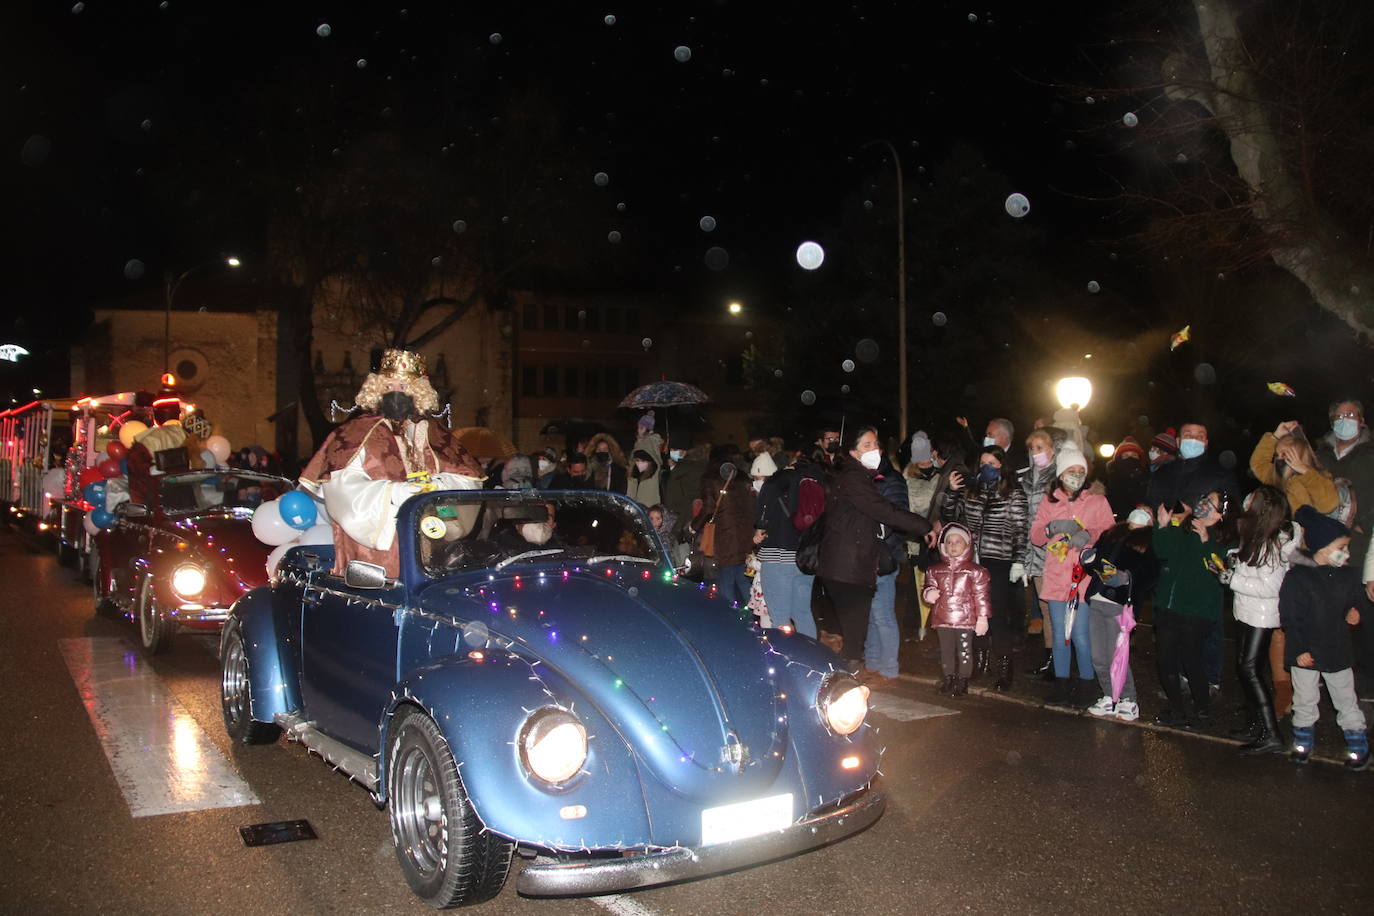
(1121,657)
(664,394)
(483,443)
(1071,609)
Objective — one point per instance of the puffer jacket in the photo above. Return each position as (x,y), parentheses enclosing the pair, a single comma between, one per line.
(855,511)
(1036,482)
(1256,588)
(1313,602)
(964,586)
(999,523)
(1091,513)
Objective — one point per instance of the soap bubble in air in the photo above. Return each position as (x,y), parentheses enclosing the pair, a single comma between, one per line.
(866,350)
(1094,286)
(324,30)
(707,223)
(460,226)
(1130,119)
(133,269)
(647,342)
(610,19)
(717,258)
(808,397)
(1018,205)
(682,54)
(494,38)
(810,255)
(847,365)
(601,179)
(613,237)
(939,319)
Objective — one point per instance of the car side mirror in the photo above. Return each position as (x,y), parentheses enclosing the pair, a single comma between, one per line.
(361,574)
(132,510)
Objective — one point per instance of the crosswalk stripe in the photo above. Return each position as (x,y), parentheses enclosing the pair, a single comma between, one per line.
(162,760)
(904,710)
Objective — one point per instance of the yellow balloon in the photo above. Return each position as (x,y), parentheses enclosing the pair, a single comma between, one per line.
(129,431)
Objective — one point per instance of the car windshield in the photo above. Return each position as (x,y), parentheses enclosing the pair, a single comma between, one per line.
(181,494)
(458,532)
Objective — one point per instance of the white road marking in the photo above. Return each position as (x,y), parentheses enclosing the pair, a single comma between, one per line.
(623,906)
(904,710)
(161,759)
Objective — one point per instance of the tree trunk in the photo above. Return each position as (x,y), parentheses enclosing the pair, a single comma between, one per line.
(1305,242)
(296,336)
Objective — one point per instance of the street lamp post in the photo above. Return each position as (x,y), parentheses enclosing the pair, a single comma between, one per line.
(901,289)
(173,284)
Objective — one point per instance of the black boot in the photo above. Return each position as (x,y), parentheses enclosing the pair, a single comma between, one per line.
(1249,730)
(980,658)
(1266,740)
(1060,695)
(1003,681)
(1045,671)
(960,687)
(947,687)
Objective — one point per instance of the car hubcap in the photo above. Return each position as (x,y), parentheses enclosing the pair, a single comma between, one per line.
(420,822)
(146,616)
(234,685)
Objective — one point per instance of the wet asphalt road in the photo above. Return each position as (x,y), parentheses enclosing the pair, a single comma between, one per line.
(1002,807)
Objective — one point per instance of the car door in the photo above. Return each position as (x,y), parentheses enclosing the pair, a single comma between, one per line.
(348,652)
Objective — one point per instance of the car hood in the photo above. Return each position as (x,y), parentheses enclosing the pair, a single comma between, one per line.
(228,542)
(684,677)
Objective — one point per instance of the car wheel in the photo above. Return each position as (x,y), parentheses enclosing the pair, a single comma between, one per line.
(155,630)
(234,694)
(447,858)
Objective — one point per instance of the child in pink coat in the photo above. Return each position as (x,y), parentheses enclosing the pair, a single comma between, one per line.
(958,591)
(1069,519)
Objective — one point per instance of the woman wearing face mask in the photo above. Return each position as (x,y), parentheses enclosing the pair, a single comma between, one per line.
(606,464)
(1069,519)
(643,479)
(856,518)
(1036,482)
(993,507)
(1285,459)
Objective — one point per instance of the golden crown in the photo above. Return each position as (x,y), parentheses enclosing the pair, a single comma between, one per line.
(402,363)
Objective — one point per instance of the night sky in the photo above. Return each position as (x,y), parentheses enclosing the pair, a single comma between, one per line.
(165,132)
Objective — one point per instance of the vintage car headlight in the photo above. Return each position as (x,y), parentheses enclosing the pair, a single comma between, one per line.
(553,744)
(188,581)
(843,704)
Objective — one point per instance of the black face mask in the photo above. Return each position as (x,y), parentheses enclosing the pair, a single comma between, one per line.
(601,457)
(832,448)
(397,406)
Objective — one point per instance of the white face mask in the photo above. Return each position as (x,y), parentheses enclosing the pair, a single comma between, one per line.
(1346,428)
(988,440)
(1338,557)
(758,485)
(872,459)
(545,465)
(677,454)
(537,532)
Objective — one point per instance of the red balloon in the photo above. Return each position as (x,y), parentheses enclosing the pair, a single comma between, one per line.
(89,475)
(116,449)
(109,468)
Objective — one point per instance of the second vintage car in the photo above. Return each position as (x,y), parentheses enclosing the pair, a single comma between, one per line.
(539,681)
(185,559)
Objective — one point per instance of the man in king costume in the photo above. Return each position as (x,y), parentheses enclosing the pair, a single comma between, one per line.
(372,463)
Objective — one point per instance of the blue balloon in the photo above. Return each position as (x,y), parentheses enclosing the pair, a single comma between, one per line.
(101,518)
(298,509)
(95,493)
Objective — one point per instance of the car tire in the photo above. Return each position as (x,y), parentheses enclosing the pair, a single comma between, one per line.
(446,857)
(234,695)
(155,631)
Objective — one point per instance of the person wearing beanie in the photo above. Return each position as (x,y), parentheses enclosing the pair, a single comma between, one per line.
(1069,518)
(923,478)
(761,469)
(1318,601)
(1128,477)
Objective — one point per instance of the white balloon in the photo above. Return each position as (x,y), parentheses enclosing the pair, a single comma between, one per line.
(274,558)
(269,527)
(54,483)
(810,255)
(89,525)
(219,447)
(316,534)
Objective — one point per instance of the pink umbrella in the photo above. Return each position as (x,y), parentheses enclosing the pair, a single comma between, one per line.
(1121,657)
(1071,607)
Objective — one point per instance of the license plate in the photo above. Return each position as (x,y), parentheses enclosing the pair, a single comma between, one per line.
(745,819)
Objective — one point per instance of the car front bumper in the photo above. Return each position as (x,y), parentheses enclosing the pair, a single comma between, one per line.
(599,876)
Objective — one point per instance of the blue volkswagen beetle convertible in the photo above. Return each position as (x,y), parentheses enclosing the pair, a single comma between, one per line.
(539,681)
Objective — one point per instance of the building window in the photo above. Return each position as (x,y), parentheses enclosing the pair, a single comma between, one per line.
(571,382)
(529,381)
(550,381)
(551,317)
(530,322)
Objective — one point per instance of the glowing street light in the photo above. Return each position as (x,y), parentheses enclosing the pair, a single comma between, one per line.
(1074,392)
(173,284)
(735,308)
(1106,450)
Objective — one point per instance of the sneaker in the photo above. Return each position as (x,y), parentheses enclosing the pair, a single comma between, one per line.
(1127,711)
(1103,707)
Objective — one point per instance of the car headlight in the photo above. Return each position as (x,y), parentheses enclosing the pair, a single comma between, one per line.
(553,744)
(188,581)
(843,704)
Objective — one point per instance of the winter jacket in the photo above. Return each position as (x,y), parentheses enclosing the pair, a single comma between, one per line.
(1187,480)
(1128,479)
(1124,568)
(610,475)
(734,520)
(1313,602)
(1310,488)
(680,487)
(1186,586)
(920,490)
(854,512)
(1092,514)
(893,488)
(965,587)
(776,502)
(999,523)
(1036,482)
(1356,466)
(644,490)
(1256,588)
